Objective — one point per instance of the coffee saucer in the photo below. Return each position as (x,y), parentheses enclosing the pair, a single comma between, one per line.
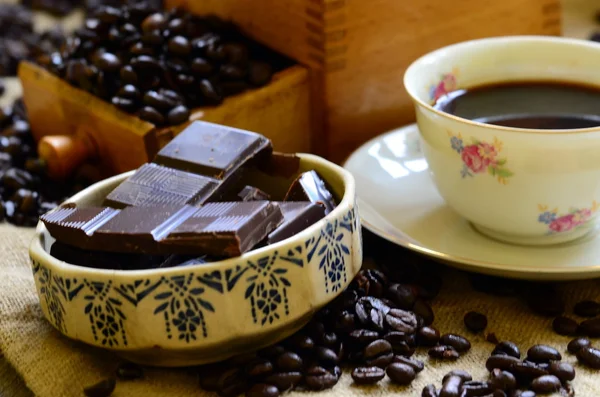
(398,201)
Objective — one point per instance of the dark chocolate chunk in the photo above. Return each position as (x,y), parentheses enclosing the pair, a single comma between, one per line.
(153,185)
(76,225)
(250,193)
(297,216)
(212,150)
(310,187)
(228,229)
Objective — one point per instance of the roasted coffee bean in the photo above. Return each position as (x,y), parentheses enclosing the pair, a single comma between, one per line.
(289,361)
(424,312)
(565,326)
(152,115)
(26,201)
(417,365)
(504,380)
(443,352)
(503,362)
(108,62)
(577,344)
(258,367)
(129,371)
(177,26)
(402,295)
(326,356)
(231,383)
(318,378)
(201,67)
(345,322)
(15,179)
(262,390)
(128,75)
(542,354)
(590,328)
(146,63)
(563,371)
(589,356)
(458,342)
(259,73)
(302,343)
(215,52)
(284,380)
(179,114)
(545,384)
(236,53)
(401,320)
(210,92)
(125,104)
(363,336)
(428,336)
(527,370)
(129,91)
(367,375)
(475,388)
(475,322)
(101,389)
(492,338)
(508,348)
(180,45)
(329,339)
(378,353)
(154,21)
(464,375)
(429,391)
(158,100)
(401,374)
(587,308)
(452,386)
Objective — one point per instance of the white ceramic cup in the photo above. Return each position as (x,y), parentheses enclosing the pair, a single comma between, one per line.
(522,186)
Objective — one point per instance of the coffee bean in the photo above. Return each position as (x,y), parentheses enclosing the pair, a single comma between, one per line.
(108,62)
(129,91)
(504,380)
(367,375)
(258,367)
(424,312)
(259,73)
(492,338)
(154,21)
(508,348)
(401,320)
(428,336)
(452,386)
(527,370)
(589,356)
(326,356)
(177,26)
(179,114)
(458,342)
(378,353)
(563,371)
(272,351)
(128,75)
(363,336)
(565,326)
(402,295)
(232,382)
(284,380)
(587,308)
(400,374)
(577,344)
(152,115)
(503,362)
(289,361)
(475,322)
(318,378)
(545,384)
(215,52)
(417,365)
(443,352)
(146,62)
(180,46)
(210,92)
(236,53)
(542,354)
(101,389)
(26,201)
(14,179)
(590,328)
(124,104)
(429,391)
(474,388)
(201,67)
(129,371)
(262,390)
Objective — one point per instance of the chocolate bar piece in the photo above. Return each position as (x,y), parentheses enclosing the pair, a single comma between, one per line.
(212,150)
(251,193)
(219,229)
(153,185)
(310,187)
(297,216)
(226,228)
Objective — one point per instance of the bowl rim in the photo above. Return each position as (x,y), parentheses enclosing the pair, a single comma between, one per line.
(499,40)
(348,201)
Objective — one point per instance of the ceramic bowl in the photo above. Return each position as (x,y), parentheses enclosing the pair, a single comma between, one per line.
(206,312)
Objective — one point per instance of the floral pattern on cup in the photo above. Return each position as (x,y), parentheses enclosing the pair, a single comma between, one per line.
(446,84)
(575,218)
(479,157)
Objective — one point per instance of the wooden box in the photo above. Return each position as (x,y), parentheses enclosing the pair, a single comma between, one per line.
(358,50)
(72,125)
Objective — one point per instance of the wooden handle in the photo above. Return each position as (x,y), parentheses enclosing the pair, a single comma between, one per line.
(64,153)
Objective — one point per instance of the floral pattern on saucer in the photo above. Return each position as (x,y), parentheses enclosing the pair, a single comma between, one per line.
(479,157)
(446,84)
(575,218)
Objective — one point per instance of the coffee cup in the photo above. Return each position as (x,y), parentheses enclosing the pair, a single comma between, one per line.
(518,185)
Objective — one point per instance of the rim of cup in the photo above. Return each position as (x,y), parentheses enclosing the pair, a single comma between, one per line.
(431,57)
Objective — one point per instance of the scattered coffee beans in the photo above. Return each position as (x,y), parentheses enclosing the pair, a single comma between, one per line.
(367,375)
(508,348)
(565,326)
(428,336)
(401,374)
(546,384)
(444,352)
(587,308)
(458,342)
(563,371)
(543,354)
(475,322)
(577,344)
(590,328)
(589,356)
(101,389)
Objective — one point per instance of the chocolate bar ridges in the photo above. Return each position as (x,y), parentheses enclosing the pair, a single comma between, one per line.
(212,150)
(310,187)
(153,185)
(226,228)
(251,193)
(220,229)
(297,216)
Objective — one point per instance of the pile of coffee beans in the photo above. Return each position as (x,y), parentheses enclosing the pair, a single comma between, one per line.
(160,64)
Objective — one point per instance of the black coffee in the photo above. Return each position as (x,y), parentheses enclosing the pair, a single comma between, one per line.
(536,105)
